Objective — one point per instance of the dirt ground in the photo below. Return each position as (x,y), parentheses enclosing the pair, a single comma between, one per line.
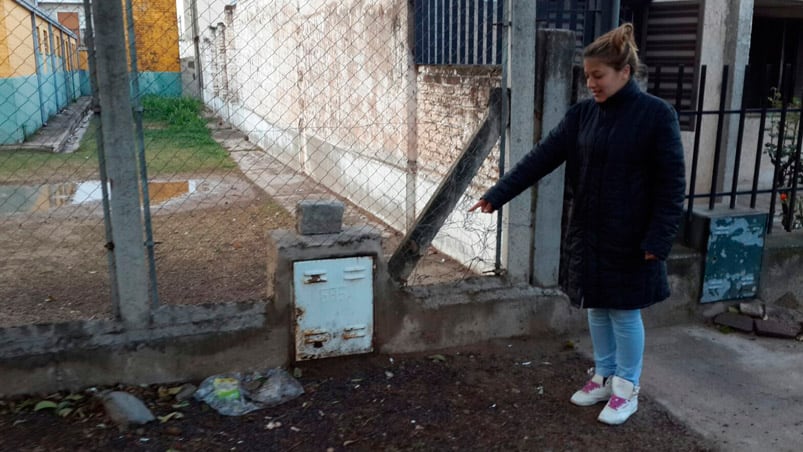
(503,395)
(210,247)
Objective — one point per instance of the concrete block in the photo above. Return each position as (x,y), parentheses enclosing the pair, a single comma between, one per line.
(777,328)
(712,310)
(754,309)
(735,321)
(784,314)
(319,217)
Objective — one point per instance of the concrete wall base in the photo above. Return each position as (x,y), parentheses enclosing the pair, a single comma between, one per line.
(192,342)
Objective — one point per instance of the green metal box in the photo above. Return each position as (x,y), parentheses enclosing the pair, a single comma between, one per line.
(733,242)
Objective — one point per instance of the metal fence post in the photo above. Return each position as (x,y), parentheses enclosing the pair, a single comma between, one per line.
(121,164)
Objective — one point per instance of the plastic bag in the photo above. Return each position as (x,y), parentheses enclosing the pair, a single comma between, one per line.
(235,394)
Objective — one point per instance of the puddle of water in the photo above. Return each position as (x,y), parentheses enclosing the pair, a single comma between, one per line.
(38,198)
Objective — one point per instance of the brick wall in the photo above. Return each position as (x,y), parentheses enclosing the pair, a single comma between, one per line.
(452,101)
(156,30)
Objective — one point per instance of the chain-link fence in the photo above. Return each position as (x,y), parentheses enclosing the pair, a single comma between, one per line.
(241,110)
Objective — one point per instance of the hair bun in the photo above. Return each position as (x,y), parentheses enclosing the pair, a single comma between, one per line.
(622,36)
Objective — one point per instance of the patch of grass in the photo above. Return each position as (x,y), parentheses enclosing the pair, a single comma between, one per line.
(176,141)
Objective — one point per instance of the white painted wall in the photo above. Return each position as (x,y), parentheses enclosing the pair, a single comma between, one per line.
(324,87)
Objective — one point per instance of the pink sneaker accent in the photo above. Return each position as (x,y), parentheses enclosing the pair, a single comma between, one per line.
(596,390)
(590,386)
(616,402)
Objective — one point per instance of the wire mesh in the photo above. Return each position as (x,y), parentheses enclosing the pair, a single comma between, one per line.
(246,109)
(51,227)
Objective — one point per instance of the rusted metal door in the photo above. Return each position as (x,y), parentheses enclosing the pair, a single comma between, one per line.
(334,311)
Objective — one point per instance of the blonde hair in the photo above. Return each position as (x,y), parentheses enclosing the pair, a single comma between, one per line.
(616,48)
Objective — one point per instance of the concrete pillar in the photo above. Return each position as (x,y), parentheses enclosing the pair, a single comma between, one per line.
(737,47)
(411,111)
(119,144)
(555,54)
(727,26)
(519,137)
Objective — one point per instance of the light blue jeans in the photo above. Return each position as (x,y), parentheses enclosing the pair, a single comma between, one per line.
(618,339)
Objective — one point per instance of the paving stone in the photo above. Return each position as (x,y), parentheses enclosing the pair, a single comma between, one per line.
(777,328)
(736,321)
(784,314)
(754,309)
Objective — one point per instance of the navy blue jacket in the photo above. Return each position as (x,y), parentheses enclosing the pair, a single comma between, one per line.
(626,175)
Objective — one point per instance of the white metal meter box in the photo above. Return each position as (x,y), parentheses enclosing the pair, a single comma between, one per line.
(333,311)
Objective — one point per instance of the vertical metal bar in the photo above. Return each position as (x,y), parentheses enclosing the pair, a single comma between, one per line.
(481,58)
(196,42)
(463,40)
(765,85)
(454,15)
(720,117)
(696,152)
(471,28)
(499,29)
(143,165)
(738,156)
(431,38)
(421,30)
(787,83)
(443,39)
(489,30)
(759,153)
(455,20)
(573,16)
(430,32)
(104,179)
(776,173)
(656,85)
(679,88)
(448,33)
(502,129)
(790,218)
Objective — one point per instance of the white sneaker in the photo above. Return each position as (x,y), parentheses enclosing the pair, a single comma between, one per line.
(623,402)
(598,389)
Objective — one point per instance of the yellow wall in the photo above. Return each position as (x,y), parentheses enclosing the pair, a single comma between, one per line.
(18,41)
(5,66)
(155,26)
(156,30)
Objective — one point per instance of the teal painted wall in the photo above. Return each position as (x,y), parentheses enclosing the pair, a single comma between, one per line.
(29,117)
(10,132)
(21,112)
(166,84)
(19,109)
(83,83)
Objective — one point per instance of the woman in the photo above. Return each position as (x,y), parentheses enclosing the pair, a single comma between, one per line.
(625,170)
